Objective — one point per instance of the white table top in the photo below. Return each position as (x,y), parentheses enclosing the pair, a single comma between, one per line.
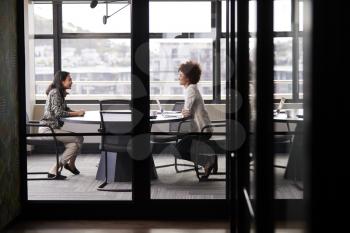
(93,117)
(296,115)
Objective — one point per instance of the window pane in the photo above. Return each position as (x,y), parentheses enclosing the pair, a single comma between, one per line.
(301,15)
(43,19)
(282,15)
(44,66)
(252,16)
(180,17)
(223,16)
(283,67)
(223,61)
(301,69)
(100,68)
(165,57)
(90,20)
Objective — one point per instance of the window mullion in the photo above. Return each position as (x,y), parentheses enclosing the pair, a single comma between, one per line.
(295,48)
(216,23)
(57,31)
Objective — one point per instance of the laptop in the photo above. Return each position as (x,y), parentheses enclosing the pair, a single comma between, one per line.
(161,109)
(159,106)
(280,105)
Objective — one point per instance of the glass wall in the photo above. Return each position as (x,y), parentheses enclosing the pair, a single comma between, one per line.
(98,57)
(189,37)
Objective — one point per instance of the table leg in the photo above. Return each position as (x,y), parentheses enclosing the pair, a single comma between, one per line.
(119,168)
(295,165)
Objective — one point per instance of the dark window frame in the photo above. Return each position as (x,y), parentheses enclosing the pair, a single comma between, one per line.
(216,15)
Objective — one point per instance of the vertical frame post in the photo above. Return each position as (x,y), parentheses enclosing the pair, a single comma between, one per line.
(243,223)
(141,151)
(264,142)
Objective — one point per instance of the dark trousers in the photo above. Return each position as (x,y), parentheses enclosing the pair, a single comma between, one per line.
(186,149)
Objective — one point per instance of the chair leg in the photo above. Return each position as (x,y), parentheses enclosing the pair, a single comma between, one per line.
(57,161)
(176,165)
(46,173)
(197,172)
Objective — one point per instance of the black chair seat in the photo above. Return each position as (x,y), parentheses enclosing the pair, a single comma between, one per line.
(218,143)
(163,138)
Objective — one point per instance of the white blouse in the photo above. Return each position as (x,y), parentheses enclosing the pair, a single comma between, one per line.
(195,104)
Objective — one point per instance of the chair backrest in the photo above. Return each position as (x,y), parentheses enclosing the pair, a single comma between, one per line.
(117,143)
(115,104)
(174,126)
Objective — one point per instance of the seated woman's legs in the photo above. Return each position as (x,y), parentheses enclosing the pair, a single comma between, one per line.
(184,148)
(186,152)
(73,146)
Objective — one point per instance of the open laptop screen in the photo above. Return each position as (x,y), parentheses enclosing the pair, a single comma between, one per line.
(280,105)
(159,105)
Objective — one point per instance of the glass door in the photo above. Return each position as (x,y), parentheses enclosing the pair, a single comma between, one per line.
(192,44)
(271,165)
(97,57)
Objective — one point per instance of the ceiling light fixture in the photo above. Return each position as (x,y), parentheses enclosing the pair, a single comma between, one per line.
(105,17)
(93,3)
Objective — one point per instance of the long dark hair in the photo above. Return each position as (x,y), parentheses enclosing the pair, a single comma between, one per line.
(59,77)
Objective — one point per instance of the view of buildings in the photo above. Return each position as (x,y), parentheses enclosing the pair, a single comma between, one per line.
(101,67)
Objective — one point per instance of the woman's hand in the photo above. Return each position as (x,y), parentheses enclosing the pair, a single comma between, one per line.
(77,113)
(81,112)
(186,112)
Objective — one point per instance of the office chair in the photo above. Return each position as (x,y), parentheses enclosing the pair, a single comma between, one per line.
(185,127)
(280,137)
(113,143)
(40,141)
(212,143)
(114,104)
(174,127)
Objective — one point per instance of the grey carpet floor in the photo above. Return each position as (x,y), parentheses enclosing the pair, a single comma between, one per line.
(169,184)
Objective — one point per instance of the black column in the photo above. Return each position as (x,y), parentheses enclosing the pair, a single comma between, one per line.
(230,110)
(329,147)
(21,90)
(264,141)
(140,99)
(243,182)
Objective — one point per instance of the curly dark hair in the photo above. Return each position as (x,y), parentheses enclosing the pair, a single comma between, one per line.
(192,71)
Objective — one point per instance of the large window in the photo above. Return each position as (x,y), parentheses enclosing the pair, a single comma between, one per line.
(98,55)
(287,72)
(165,57)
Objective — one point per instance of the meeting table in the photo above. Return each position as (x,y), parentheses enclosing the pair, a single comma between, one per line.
(295,166)
(120,165)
